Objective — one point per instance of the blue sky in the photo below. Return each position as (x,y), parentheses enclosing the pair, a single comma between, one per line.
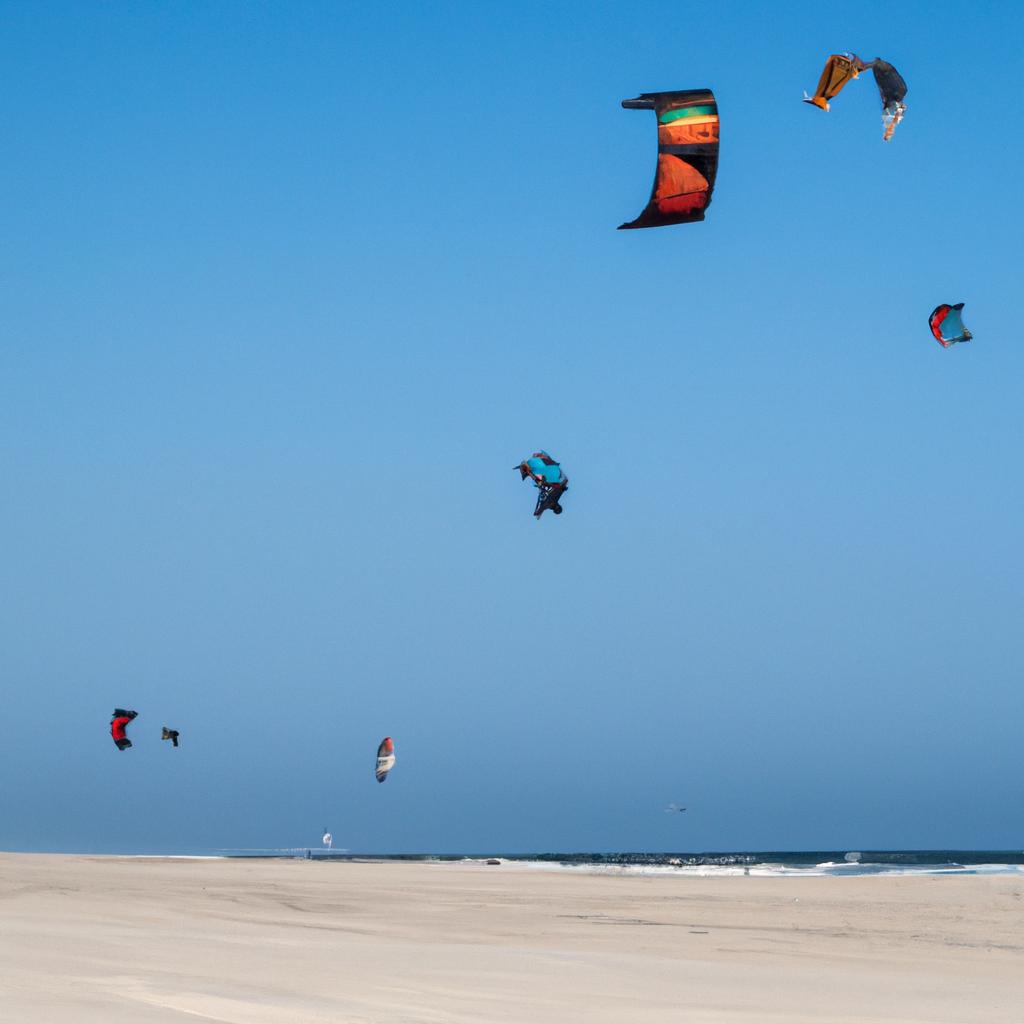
(288,290)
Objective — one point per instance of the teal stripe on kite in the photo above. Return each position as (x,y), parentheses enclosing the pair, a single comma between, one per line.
(677,115)
(552,474)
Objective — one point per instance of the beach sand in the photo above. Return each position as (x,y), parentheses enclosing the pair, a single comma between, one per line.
(108,939)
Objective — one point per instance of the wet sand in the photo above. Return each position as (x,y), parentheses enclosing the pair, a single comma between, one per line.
(86,939)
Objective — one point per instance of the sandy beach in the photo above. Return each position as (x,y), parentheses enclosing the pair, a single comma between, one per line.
(116,939)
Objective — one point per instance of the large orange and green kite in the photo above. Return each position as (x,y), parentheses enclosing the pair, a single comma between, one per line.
(687,156)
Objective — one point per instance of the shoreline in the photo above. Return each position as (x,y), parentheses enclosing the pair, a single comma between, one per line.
(797,864)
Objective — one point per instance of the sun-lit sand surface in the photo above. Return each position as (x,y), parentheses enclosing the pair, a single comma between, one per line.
(87,939)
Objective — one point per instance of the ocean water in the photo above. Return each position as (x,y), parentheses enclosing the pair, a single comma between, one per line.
(753,863)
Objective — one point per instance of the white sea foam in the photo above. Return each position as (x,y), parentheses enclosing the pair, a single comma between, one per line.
(824,870)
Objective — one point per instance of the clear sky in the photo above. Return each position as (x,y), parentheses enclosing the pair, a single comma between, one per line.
(288,289)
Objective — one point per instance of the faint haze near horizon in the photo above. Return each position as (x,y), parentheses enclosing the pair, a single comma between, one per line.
(288,290)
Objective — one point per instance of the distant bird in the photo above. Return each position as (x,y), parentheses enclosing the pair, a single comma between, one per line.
(674,809)
(170,734)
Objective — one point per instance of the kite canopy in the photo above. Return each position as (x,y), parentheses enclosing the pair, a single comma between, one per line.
(687,156)
(385,758)
(118,726)
(839,69)
(947,325)
(170,734)
(892,89)
(549,480)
